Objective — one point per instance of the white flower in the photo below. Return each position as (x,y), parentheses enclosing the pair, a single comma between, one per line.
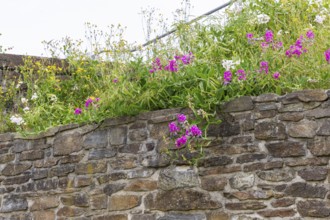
(19,84)
(34,96)
(24,100)
(319,19)
(276,1)
(228,64)
(279,33)
(17,119)
(263,18)
(26,109)
(53,98)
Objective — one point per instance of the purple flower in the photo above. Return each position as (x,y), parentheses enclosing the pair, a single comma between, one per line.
(264,67)
(327,55)
(156,65)
(181,141)
(269,36)
(176,57)
(172,66)
(115,80)
(276,75)
(173,128)
(187,58)
(195,131)
(249,35)
(227,76)
(88,102)
(264,45)
(310,34)
(181,118)
(241,74)
(299,42)
(77,111)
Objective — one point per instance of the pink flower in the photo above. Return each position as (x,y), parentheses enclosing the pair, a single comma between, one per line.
(181,141)
(241,74)
(195,131)
(173,128)
(264,67)
(276,75)
(310,34)
(88,102)
(115,80)
(249,35)
(269,36)
(227,76)
(181,118)
(77,111)
(327,55)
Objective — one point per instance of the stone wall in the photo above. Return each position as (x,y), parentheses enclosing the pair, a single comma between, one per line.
(268,159)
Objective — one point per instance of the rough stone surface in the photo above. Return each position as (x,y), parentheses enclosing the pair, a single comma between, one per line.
(270,131)
(65,144)
(238,105)
(14,203)
(313,173)
(277,175)
(286,149)
(123,202)
(173,178)
(304,190)
(304,129)
(319,146)
(313,208)
(242,181)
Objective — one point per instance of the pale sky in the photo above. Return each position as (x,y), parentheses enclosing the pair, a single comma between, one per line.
(24,24)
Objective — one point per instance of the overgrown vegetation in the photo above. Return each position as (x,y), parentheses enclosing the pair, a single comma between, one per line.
(265,46)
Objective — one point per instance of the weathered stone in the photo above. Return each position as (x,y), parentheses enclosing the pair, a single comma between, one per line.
(112,177)
(319,113)
(99,202)
(240,104)
(182,217)
(96,154)
(45,185)
(217,161)
(299,107)
(266,106)
(315,161)
(96,139)
(20,146)
(263,166)
(62,170)
(141,185)
(75,158)
(177,177)
(7,137)
(324,129)
(44,214)
(91,167)
(242,181)
(16,179)
(217,216)
(18,216)
(43,203)
(113,188)
(277,213)
(144,217)
(313,173)
(245,195)
(140,173)
(268,97)
(213,183)
(81,181)
(319,146)
(156,160)
(313,208)
(294,116)
(188,200)
(37,174)
(286,149)
(277,175)
(241,140)
(230,149)
(46,163)
(65,144)
(118,135)
(218,170)
(265,114)
(138,135)
(305,129)
(284,202)
(246,158)
(304,190)
(13,169)
(123,202)
(131,148)
(70,211)
(6,158)
(245,205)
(224,129)
(305,96)
(124,162)
(270,131)
(12,203)
(111,217)
(79,200)
(31,155)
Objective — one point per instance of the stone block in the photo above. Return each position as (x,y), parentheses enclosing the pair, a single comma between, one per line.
(213,183)
(277,213)
(78,200)
(112,188)
(313,208)
(43,215)
(67,211)
(217,161)
(99,202)
(319,146)
(91,167)
(252,205)
(14,203)
(182,217)
(97,154)
(123,202)
(304,190)
(44,202)
(247,158)
(31,155)
(277,175)
(65,144)
(141,185)
(96,139)
(240,104)
(118,135)
(284,202)
(177,177)
(303,129)
(313,173)
(62,170)
(13,169)
(286,149)
(270,131)
(242,181)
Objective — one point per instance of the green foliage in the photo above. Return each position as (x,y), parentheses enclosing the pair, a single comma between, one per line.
(122,82)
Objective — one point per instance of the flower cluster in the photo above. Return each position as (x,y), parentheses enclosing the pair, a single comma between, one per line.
(91,101)
(297,49)
(267,40)
(327,55)
(16,119)
(185,131)
(173,65)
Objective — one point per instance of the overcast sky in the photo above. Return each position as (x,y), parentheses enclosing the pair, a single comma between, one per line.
(26,23)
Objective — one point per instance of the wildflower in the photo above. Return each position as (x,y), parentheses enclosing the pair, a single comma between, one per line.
(228,64)
(34,96)
(26,109)
(173,128)
(249,35)
(269,36)
(263,18)
(88,102)
(327,55)
(319,19)
(278,45)
(53,98)
(172,66)
(181,118)
(181,141)
(241,74)
(276,75)
(264,67)
(227,76)
(19,84)
(115,80)
(310,34)
(279,33)
(24,100)
(195,131)
(77,111)
(264,45)
(156,65)
(299,42)
(16,119)
(187,58)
